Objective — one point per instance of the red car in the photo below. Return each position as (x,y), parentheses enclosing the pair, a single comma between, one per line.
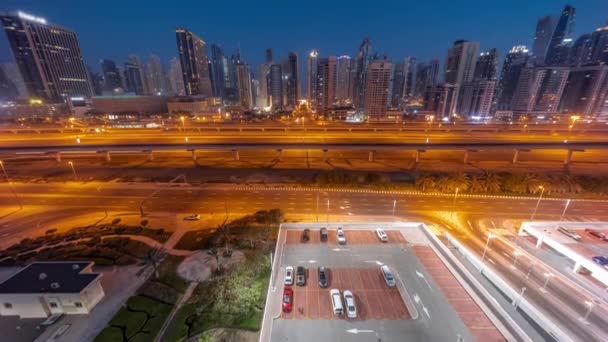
(597,234)
(287,299)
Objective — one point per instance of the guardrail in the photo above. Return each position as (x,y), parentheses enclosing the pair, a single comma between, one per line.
(530,309)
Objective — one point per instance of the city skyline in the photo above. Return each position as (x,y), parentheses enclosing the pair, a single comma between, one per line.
(327,36)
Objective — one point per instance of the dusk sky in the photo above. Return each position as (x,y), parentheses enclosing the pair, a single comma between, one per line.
(423,29)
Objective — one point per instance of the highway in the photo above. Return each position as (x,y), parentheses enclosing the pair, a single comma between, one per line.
(564,304)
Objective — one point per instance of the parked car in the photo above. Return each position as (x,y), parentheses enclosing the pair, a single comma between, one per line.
(349,301)
(596,234)
(341,237)
(569,233)
(193,217)
(388,276)
(288,275)
(600,260)
(287,299)
(336,302)
(301,276)
(323,277)
(381,235)
(323,234)
(306,235)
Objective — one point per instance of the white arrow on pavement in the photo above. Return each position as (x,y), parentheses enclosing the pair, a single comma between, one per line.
(356,331)
(340,249)
(426,311)
(416,298)
(377,262)
(420,275)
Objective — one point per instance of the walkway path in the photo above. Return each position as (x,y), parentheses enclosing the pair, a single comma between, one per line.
(182,300)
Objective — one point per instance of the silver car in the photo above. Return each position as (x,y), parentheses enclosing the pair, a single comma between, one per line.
(388,276)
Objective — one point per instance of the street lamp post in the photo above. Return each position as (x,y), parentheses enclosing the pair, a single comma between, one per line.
(542,191)
(483,256)
(454,203)
(10,185)
(394,206)
(327,212)
(516,301)
(548,276)
(564,212)
(515,255)
(590,305)
(73,169)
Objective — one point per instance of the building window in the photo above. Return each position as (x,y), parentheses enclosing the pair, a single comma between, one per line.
(78,304)
(8,305)
(53,305)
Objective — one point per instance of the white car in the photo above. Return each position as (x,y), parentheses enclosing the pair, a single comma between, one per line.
(336,302)
(569,233)
(388,276)
(349,301)
(193,217)
(381,235)
(289,275)
(341,237)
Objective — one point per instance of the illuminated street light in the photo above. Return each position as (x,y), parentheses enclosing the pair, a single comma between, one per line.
(183,122)
(186,139)
(590,305)
(11,185)
(548,276)
(394,206)
(483,256)
(454,203)
(78,140)
(73,169)
(564,212)
(542,191)
(327,212)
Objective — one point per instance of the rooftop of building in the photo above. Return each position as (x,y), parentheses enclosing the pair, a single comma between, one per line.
(50,277)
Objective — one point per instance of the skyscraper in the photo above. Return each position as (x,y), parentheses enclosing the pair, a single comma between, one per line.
(364,57)
(269,55)
(311,76)
(243,75)
(475,98)
(562,38)
(176,79)
(398,86)
(539,90)
(48,57)
(599,45)
(580,52)
(460,62)
(217,70)
(275,86)
(326,83)
(376,88)
(96,81)
(112,80)
(263,93)
(12,72)
(343,80)
(8,89)
(135,76)
(426,76)
(544,31)
(292,79)
(440,99)
(157,76)
(485,68)
(195,65)
(586,90)
(409,70)
(515,61)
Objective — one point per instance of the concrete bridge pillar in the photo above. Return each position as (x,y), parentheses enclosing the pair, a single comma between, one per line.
(280,155)
(515,155)
(539,242)
(235,154)
(371,156)
(150,155)
(418,152)
(325,155)
(58,157)
(193,154)
(568,157)
(108,156)
(577,267)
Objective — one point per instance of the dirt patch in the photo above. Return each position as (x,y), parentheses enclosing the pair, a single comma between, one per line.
(199,266)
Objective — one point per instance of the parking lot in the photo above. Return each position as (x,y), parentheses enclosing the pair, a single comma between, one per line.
(415,307)
(375,300)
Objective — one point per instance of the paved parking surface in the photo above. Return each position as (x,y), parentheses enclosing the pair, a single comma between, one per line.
(373,298)
(470,313)
(353,237)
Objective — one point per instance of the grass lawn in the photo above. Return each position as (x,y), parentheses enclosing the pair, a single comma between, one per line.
(195,240)
(242,288)
(168,273)
(140,320)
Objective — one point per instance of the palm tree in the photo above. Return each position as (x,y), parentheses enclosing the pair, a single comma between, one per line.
(153,258)
(492,182)
(444,184)
(459,181)
(215,253)
(425,182)
(477,184)
(514,182)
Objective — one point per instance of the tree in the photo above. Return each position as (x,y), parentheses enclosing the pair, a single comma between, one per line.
(153,258)
(215,253)
(478,184)
(492,182)
(425,182)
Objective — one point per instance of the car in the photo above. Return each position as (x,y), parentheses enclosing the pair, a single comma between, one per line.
(306,235)
(288,275)
(301,276)
(596,234)
(193,217)
(600,260)
(323,234)
(388,276)
(569,233)
(349,301)
(341,237)
(323,277)
(336,302)
(287,299)
(381,235)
